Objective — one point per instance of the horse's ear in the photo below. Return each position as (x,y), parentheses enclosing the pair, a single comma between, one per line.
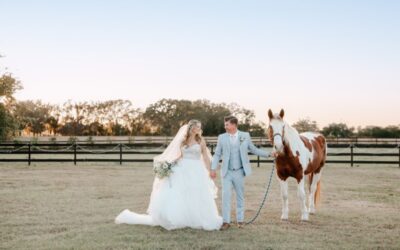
(282,113)
(270,114)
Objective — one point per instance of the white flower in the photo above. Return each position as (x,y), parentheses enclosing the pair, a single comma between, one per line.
(162,169)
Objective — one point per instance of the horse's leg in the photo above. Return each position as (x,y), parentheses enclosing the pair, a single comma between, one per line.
(313,189)
(285,202)
(301,193)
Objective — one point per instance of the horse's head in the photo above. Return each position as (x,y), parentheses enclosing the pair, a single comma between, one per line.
(276,130)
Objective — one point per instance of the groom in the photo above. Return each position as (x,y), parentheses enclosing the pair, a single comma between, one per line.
(233,147)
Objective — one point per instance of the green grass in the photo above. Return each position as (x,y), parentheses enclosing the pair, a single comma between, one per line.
(62,206)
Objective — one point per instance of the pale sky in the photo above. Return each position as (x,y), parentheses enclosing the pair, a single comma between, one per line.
(330,61)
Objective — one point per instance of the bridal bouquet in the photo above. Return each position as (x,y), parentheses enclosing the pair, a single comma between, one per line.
(163,169)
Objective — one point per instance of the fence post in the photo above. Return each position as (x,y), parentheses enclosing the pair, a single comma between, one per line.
(212,148)
(120,154)
(29,154)
(399,154)
(258,158)
(74,153)
(351,154)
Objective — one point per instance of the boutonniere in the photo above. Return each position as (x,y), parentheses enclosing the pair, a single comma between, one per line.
(241,139)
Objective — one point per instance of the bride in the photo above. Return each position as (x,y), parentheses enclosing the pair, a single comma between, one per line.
(186,197)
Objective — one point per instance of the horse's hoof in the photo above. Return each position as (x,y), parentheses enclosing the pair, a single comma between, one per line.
(312,211)
(304,217)
(284,217)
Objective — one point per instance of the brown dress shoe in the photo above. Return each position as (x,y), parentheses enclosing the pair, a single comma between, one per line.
(225,226)
(241,224)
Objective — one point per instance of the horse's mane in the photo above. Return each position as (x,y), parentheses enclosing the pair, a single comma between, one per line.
(292,139)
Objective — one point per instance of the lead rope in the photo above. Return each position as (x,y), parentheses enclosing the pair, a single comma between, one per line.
(265,196)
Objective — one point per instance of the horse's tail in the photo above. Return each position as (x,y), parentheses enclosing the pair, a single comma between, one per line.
(310,179)
(317,196)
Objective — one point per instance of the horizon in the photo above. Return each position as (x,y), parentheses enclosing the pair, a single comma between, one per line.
(329,62)
(320,127)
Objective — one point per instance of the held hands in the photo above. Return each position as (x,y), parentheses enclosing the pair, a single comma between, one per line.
(274,154)
(213,174)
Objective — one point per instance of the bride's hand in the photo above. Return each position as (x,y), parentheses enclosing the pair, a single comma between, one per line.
(213,174)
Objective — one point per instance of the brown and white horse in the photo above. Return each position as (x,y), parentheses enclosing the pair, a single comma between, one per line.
(300,156)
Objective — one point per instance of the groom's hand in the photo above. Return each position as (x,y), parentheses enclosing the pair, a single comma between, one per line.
(213,174)
(274,154)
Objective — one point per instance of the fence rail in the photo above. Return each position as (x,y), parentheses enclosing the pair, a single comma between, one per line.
(76,149)
(167,139)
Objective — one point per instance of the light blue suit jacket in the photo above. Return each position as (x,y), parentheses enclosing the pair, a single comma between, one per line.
(223,150)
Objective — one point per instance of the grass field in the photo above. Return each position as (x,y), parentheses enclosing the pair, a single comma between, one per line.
(62,206)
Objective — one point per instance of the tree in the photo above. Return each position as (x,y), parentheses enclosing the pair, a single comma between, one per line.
(305,125)
(53,121)
(7,123)
(117,115)
(379,132)
(338,130)
(257,129)
(8,86)
(213,121)
(113,117)
(32,116)
(139,125)
(73,115)
(168,115)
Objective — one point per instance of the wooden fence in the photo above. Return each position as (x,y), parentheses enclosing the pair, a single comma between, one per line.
(74,151)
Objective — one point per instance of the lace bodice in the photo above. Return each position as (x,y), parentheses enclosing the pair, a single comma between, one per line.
(192,152)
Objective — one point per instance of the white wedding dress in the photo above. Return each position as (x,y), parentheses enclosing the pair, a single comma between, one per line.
(184,199)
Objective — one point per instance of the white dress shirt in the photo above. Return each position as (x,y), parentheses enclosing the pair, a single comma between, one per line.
(234,137)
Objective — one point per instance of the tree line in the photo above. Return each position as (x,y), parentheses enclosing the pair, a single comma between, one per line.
(121,118)
(342,130)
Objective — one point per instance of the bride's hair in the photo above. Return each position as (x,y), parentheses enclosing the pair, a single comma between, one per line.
(191,125)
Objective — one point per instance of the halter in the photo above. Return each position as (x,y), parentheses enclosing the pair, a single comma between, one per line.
(280,135)
(277,135)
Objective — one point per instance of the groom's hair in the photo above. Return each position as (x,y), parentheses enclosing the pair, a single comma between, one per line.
(232,119)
